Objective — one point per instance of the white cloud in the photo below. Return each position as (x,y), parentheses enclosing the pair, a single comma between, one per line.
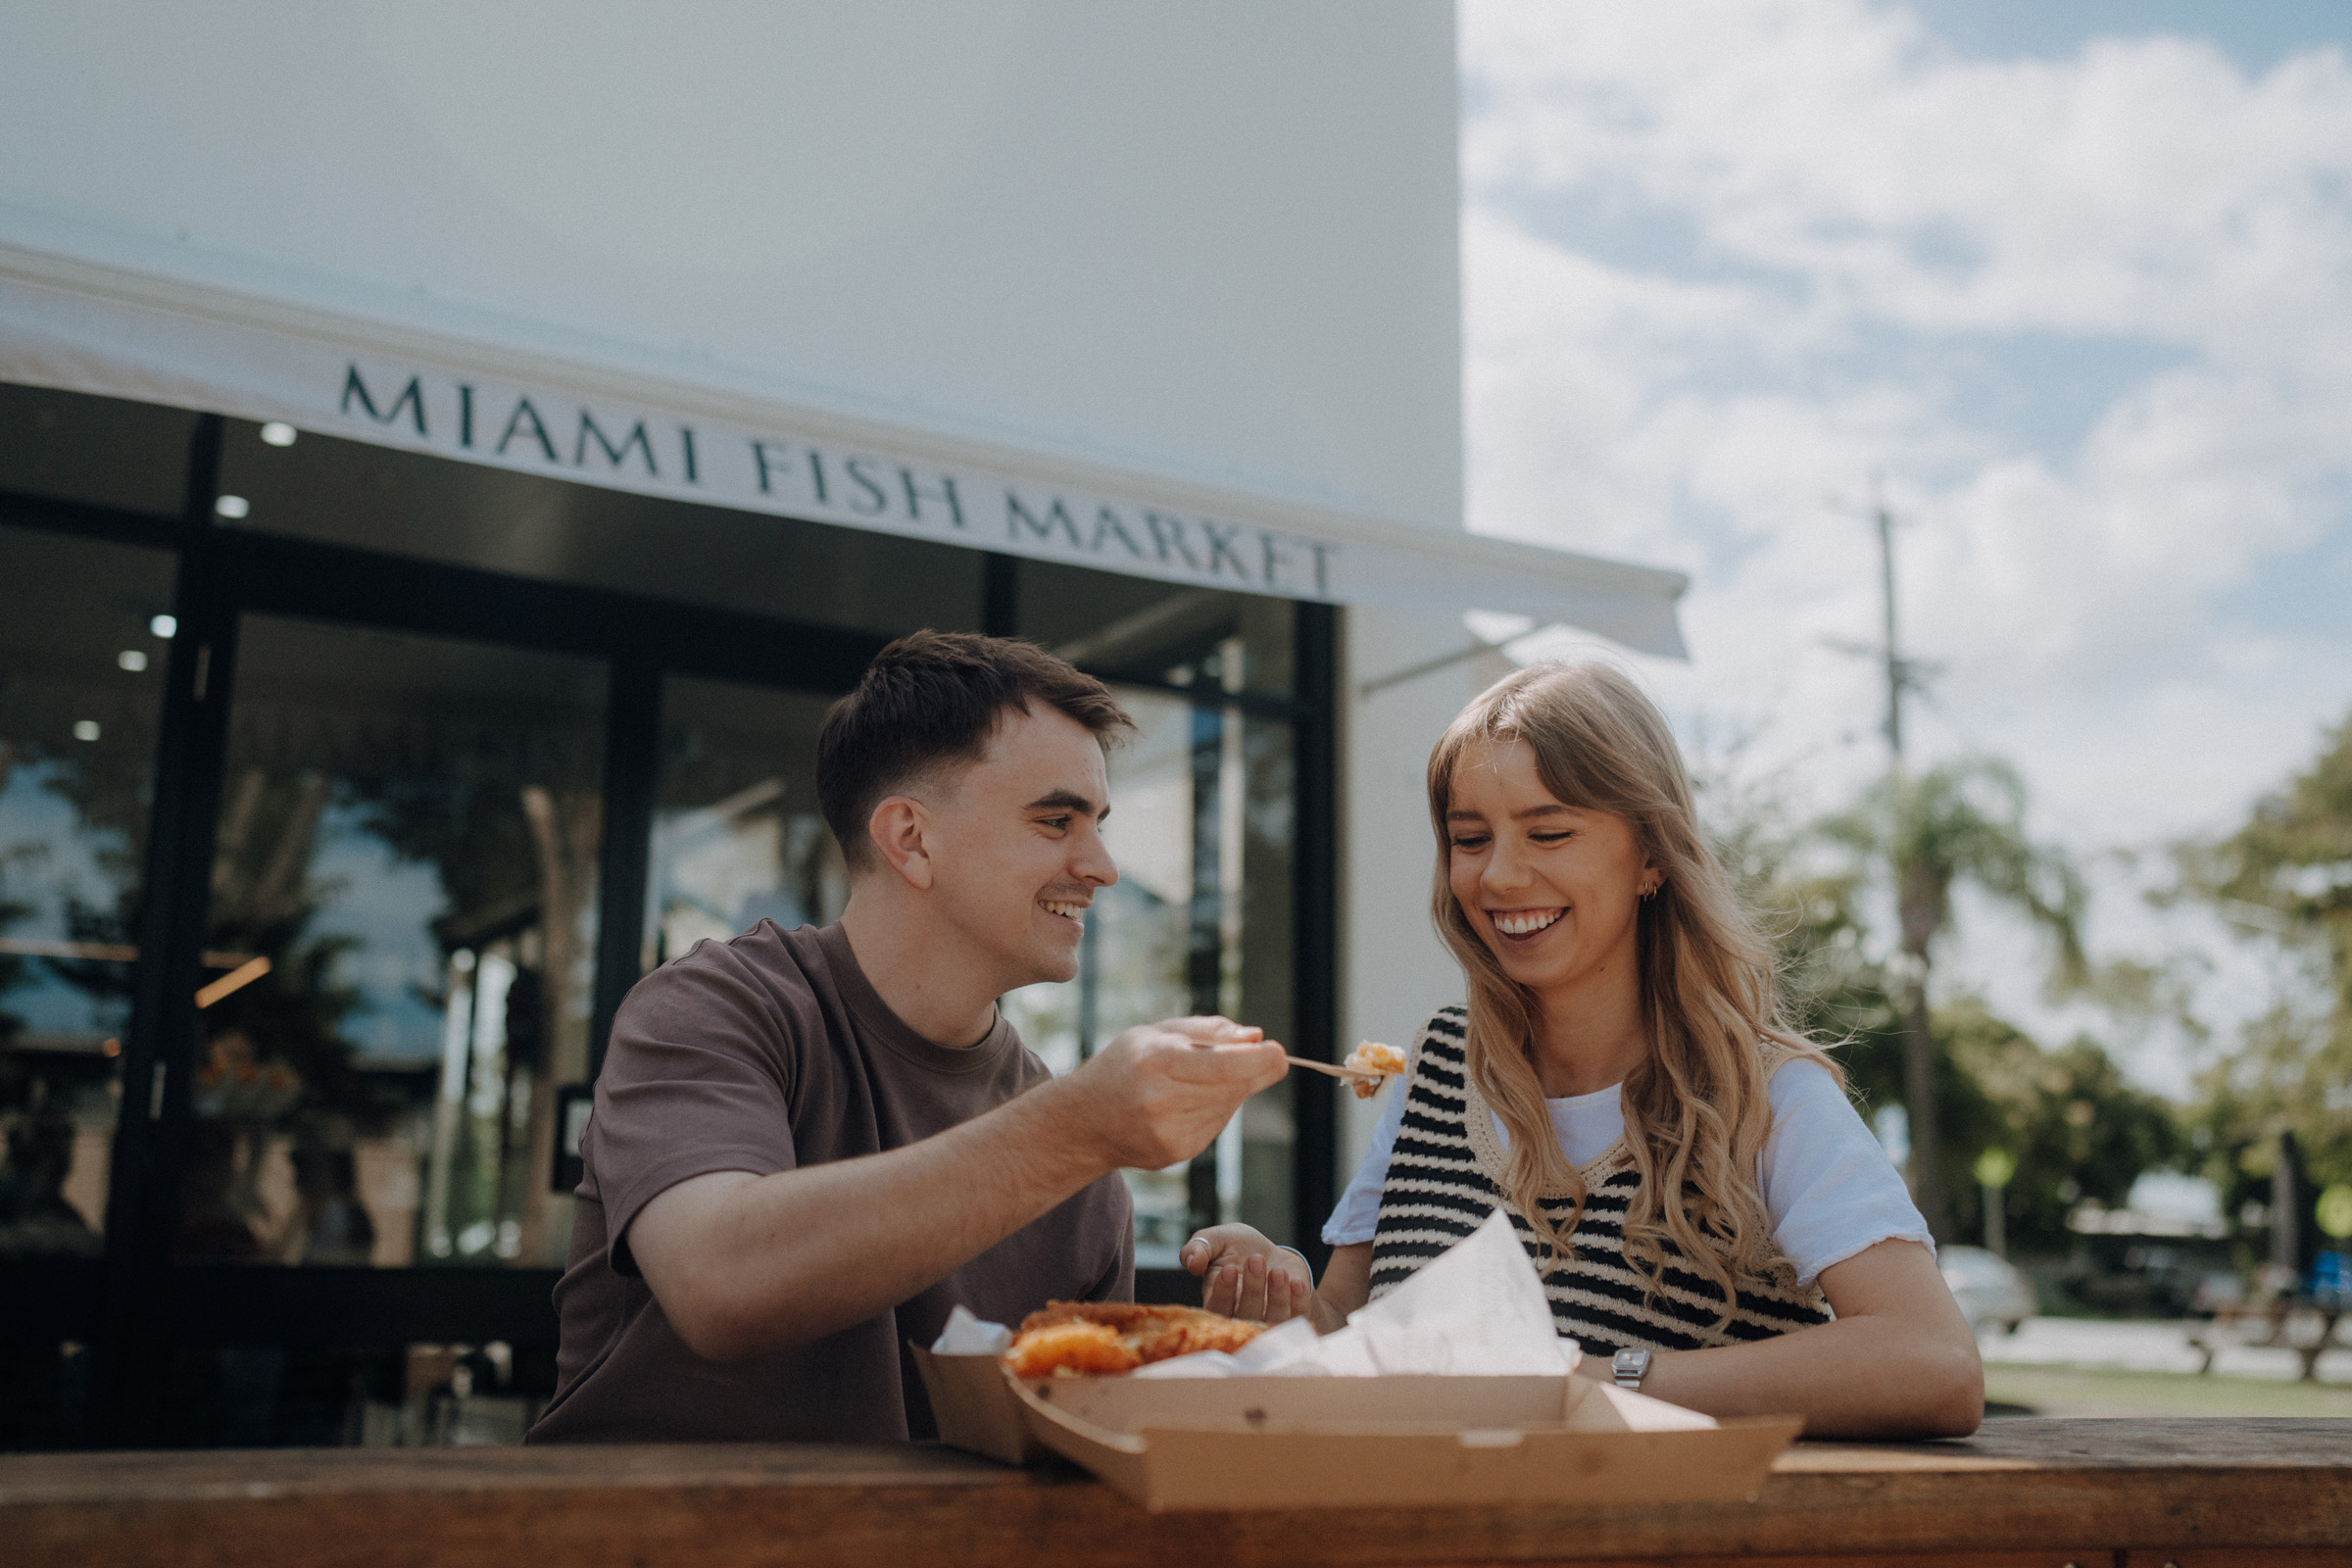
(2091,317)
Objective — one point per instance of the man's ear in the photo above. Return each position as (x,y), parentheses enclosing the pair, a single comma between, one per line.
(899,828)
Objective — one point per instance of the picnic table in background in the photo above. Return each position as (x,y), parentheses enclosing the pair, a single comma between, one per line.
(2022,1493)
(2303,1324)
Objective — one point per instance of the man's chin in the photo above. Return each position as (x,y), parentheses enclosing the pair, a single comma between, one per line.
(1050,964)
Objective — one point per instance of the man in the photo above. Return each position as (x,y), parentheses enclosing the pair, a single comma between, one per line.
(808,1146)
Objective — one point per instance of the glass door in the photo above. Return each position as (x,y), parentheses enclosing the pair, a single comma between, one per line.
(404,901)
(82,640)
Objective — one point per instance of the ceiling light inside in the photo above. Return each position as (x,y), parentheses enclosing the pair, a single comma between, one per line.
(85,729)
(232,507)
(165,626)
(279,433)
(132,660)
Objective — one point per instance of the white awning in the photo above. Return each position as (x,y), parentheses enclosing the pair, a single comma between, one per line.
(464,387)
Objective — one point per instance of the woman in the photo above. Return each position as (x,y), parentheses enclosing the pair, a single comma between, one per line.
(1622,1046)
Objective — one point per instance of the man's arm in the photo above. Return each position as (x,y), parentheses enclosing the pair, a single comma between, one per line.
(742,1263)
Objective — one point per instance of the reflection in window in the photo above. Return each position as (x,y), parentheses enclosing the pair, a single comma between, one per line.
(737,837)
(1199,921)
(80,687)
(403,903)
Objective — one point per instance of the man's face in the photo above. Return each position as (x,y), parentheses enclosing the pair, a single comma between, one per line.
(1016,843)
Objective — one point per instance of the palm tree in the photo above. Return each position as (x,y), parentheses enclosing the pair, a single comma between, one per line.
(1964,820)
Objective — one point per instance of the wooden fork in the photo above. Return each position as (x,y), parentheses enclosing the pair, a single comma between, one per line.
(1335,1072)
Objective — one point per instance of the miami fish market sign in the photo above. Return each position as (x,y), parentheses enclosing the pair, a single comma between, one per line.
(765,471)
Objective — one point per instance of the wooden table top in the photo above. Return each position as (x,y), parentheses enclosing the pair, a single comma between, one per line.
(2199,1494)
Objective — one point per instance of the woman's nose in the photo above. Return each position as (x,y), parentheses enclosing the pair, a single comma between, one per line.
(1506,868)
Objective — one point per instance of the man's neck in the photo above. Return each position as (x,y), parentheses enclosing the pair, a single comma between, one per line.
(928,977)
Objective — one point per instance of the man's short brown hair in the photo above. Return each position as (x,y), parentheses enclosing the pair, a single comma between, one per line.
(932,699)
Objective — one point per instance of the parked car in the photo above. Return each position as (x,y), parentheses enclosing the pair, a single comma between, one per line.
(1990,1288)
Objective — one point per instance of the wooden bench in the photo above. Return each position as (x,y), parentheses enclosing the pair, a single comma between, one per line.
(2274,1324)
(2022,1493)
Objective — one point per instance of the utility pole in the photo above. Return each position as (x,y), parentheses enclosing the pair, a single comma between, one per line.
(1897,674)
(1917,903)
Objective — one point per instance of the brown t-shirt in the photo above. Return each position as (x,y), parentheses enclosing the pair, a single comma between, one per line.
(762,1055)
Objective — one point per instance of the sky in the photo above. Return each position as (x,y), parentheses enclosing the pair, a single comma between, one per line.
(2070,284)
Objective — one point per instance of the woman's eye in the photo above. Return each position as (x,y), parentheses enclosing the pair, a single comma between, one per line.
(1548,838)
(1476,843)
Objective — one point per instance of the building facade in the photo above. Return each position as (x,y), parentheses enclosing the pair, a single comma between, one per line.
(447,466)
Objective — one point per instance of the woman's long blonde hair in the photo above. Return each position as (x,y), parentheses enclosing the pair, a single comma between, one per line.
(1697,1114)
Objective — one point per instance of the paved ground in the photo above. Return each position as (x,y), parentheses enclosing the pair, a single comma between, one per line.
(2089,1368)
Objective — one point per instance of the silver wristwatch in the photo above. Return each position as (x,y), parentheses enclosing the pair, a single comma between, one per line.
(1629,1368)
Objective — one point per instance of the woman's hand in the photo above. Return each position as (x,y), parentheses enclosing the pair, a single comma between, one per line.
(1246,1276)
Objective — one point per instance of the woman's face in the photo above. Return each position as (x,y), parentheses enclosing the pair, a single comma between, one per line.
(1552,890)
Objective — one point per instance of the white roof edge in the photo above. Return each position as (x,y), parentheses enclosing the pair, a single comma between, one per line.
(1629,603)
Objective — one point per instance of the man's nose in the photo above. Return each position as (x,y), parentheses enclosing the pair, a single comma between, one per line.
(1090,862)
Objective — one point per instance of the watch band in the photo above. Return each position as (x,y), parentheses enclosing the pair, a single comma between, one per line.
(1629,1368)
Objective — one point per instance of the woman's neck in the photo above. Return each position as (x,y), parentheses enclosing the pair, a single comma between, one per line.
(1589,1034)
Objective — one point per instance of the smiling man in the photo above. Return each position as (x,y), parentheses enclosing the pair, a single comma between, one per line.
(808,1146)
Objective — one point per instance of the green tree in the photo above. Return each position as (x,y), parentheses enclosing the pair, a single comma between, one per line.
(2284,877)
(1928,832)
(2077,1128)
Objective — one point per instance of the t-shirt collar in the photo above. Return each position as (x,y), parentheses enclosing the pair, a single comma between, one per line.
(875,1017)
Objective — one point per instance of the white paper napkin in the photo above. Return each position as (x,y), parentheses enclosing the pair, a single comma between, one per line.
(967,1335)
(1478,1309)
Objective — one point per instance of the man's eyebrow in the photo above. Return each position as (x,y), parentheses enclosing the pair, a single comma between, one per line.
(1068,801)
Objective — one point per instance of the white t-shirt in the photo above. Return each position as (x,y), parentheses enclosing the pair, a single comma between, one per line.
(1828,1185)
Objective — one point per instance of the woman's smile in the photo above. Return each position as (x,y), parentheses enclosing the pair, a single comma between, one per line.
(1519,926)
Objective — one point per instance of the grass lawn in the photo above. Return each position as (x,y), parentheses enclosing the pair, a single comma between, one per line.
(2070,1390)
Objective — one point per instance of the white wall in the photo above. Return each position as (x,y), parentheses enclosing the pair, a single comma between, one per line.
(1212,241)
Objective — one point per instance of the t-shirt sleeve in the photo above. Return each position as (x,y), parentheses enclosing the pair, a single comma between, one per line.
(1358,1215)
(1116,1282)
(1828,1185)
(693,1083)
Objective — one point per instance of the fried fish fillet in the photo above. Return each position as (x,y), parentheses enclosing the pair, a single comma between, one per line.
(1086,1338)
(1371,1057)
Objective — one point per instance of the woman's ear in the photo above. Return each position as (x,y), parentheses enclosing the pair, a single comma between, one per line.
(899,828)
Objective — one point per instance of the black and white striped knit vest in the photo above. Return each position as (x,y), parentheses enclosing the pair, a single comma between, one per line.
(1446,1177)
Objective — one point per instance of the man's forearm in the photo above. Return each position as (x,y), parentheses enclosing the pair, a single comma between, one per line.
(754,1264)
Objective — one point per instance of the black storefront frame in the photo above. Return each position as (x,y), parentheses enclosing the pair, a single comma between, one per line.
(136,1307)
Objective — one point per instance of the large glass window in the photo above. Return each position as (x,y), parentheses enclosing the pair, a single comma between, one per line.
(403,917)
(737,837)
(84,632)
(1202,827)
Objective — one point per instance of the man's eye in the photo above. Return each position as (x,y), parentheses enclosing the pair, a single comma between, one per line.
(1056,823)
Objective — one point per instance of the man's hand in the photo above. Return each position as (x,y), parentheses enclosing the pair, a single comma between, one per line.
(1161,1092)
(1243,1275)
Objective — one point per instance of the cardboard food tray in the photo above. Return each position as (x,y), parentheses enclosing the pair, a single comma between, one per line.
(1389,1442)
